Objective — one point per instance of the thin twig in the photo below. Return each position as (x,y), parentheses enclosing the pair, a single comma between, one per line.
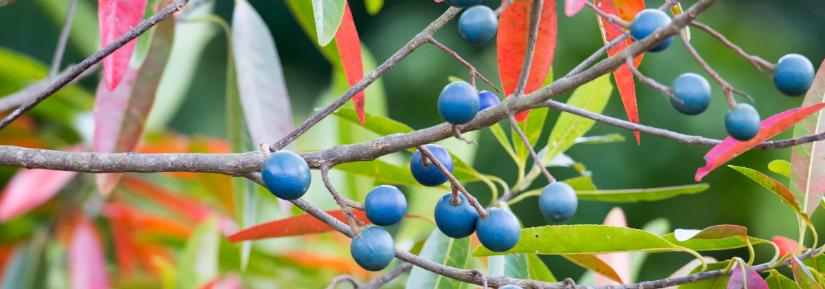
(343,278)
(536,159)
(650,82)
(62,39)
(727,88)
(613,19)
(760,64)
(472,69)
(456,185)
(527,62)
(353,221)
(87,63)
(379,281)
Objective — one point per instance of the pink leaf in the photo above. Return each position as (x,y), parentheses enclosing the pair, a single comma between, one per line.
(786,246)
(116,17)
(349,47)
(87,259)
(511,40)
(30,188)
(754,281)
(572,7)
(620,262)
(808,169)
(731,148)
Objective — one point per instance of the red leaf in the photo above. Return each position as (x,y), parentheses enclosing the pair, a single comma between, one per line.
(87,258)
(122,239)
(116,17)
(572,7)
(754,281)
(625,9)
(349,47)
(294,226)
(786,246)
(30,188)
(731,148)
(166,198)
(513,30)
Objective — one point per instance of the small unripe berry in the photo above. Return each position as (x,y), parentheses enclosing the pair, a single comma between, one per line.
(385,205)
(487,99)
(499,231)
(691,94)
(478,24)
(648,21)
(463,3)
(286,175)
(458,102)
(455,220)
(793,75)
(373,248)
(429,174)
(558,202)
(742,122)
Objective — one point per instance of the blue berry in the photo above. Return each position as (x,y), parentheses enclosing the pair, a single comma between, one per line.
(455,221)
(793,75)
(742,122)
(430,175)
(385,205)
(286,175)
(463,3)
(558,202)
(499,231)
(646,22)
(478,24)
(372,249)
(458,102)
(692,92)
(487,99)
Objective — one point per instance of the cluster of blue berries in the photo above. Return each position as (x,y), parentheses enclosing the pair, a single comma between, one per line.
(793,76)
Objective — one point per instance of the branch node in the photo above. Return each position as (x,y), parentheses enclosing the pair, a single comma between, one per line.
(457,134)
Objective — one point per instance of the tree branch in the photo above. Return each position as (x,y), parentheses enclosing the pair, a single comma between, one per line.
(763,66)
(472,69)
(647,81)
(61,41)
(87,63)
(353,221)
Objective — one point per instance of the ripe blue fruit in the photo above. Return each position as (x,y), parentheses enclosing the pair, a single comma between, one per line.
(430,175)
(372,249)
(646,22)
(463,3)
(487,99)
(458,102)
(478,24)
(286,175)
(385,205)
(692,92)
(558,202)
(455,220)
(499,231)
(793,74)
(742,122)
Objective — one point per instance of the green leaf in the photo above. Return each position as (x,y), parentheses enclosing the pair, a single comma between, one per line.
(775,187)
(381,171)
(198,262)
(781,167)
(374,6)
(714,244)
(803,276)
(638,195)
(374,123)
(445,251)
(328,15)
(302,10)
(778,281)
(502,139)
(581,183)
(716,283)
(539,270)
(521,266)
(817,263)
(600,139)
(586,239)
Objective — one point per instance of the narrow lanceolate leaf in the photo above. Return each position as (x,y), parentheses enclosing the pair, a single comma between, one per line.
(711,233)
(116,17)
(731,148)
(328,15)
(714,244)
(585,239)
(620,262)
(803,275)
(625,9)
(30,188)
(199,261)
(293,226)
(261,84)
(778,281)
(772,185)
(572,7)
(745,278)
(641,195)
(511,40)
(374,123)
(522,266)
(808,160)
(442,250)
(349,48)
(781,167)
(606,273)
(120,114)
(88,258)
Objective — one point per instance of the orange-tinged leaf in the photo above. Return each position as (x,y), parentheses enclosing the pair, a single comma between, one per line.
(786,246)
(731,148)
(293,226)
(122,239)
(622,75)
(605,274)
(349,47)
(336,264)
(116,17)
(617,262)
(511,40)
(711,233)
(87,259)
(772,185)
(30,188)
(166,198)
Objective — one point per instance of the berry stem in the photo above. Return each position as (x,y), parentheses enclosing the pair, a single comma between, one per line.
(353,221)
(760,64)
(454,183)
(536,160)
(613,19)
(727,88)
(472,69)
(649,82)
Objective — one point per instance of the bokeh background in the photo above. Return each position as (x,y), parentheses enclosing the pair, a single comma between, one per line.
(765,28)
